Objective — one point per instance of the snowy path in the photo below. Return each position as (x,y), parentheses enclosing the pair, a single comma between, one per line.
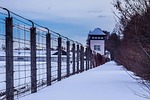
(108,82)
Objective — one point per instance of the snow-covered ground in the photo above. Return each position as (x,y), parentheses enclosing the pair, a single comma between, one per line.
(107,82)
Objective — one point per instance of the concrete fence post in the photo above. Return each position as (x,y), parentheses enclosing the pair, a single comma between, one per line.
(59,58)
(82,58)
(9,60)
(87,57)
(77,58)
(91,58)
(48,58)
(68,58)
(33,60)
(73,57)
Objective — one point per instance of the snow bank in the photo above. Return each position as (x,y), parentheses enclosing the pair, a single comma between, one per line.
(107,82)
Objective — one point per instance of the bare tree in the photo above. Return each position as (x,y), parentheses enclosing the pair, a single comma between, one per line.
(134,51)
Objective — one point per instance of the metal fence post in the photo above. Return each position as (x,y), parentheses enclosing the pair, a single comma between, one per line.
(59,58)
(9,60)
(77,58)
(73,57)
(48,58)
(33,60)
(68,58)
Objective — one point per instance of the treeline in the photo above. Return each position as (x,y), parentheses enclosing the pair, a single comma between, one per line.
(132,49)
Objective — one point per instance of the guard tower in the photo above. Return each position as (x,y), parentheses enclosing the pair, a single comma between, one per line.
(96,41)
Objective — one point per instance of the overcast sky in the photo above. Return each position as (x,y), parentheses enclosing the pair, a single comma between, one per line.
(72,18)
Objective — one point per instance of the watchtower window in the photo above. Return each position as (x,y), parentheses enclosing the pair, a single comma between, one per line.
(97,47)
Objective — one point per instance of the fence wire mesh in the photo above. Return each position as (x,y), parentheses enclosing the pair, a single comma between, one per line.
(54,56)
(41,57)
(2,57)
(64,57)
(21,57)
(29,60)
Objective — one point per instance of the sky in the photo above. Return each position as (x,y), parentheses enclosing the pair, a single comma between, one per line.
(71,18)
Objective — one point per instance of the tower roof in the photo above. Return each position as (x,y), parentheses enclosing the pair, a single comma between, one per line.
(97,31)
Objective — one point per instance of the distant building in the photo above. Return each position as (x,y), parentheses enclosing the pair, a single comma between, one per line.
(3,47)
(25,55)
(96,41)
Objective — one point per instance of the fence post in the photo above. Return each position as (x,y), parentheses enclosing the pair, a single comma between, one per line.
(91,57)
(77,58)
(48,58)
(87,57)
(9,60)
(68,58)
(82,58)
(73,57)
(59,58)
(33,60)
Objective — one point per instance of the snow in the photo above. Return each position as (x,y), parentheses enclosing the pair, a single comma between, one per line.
(107,82)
